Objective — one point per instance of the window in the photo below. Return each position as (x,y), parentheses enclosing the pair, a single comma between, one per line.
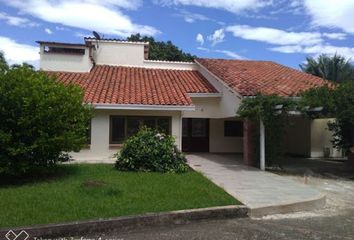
(117,129)
(233,128)
(64,50)
(122,127)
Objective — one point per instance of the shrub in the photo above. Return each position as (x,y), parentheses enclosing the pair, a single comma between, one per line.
(41,119)
(151,151)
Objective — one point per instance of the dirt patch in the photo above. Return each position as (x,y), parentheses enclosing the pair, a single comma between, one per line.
(93,184)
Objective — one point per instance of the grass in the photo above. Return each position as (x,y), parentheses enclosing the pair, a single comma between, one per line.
(82,191)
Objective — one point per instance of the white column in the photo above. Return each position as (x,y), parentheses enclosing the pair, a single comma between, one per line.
(262,145)
(100,132)
(177,129)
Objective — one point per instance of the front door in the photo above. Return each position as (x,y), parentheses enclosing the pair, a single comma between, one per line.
(195,135)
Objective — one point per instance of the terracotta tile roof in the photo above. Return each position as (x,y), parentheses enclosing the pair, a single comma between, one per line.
(251,77)
(133,85)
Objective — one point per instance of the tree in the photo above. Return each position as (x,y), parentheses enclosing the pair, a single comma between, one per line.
(3,64)
(264,107)
(163,50)
(338,103)
(336,68)
(41,120)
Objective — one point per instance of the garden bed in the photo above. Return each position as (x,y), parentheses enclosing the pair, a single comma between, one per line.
(91,191)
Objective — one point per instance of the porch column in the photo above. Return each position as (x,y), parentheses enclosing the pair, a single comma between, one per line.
(248,133)
(262,145)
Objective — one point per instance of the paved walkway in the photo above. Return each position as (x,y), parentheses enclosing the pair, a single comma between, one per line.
(86,156)
(263,192)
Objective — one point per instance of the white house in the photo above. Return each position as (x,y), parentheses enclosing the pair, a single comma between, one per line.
(196,102)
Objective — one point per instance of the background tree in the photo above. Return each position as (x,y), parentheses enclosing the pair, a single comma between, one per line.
(3,64)
(41,119)
(338,103)
(159,50)
(335,68)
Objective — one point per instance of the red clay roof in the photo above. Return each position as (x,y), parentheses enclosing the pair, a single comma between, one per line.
(133,85)
(251,77)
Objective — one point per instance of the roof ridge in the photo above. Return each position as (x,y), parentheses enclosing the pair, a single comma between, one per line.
(143,67)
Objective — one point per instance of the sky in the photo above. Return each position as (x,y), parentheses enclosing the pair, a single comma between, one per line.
(277,30)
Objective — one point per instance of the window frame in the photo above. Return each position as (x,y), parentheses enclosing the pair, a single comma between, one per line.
(141,118)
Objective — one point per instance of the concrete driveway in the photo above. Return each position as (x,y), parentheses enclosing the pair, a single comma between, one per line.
(263,192)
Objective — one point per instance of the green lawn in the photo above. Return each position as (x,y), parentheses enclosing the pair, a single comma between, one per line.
(78,192)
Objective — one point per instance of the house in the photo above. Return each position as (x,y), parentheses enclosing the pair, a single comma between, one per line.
(196,102)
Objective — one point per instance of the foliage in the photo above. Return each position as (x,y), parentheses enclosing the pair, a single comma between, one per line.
(148,151)
(3,64)
(273,111)
(159,50)
(318,97)
(343,127)
(40,119)
(339,103)
(336,68)
(74,192)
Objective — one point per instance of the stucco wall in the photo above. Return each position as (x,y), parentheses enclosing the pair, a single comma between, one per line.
(321,137)
(229,102)
(123,54)
(218,143)
(65,62)
(100,126)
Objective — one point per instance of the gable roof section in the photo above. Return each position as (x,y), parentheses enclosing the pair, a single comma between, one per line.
(133,85)
(251,77)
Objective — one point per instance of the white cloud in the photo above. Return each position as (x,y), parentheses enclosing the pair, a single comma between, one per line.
(191,17)
(217,37)
(102,16)
(335,36)
(47,30)
(231,54)
(58,28)
(16,53)
(316,50)
(200,38)
(17,21)
(203,49)
(82,35)
(312,43)
(332,14)
(234,6)
(275,36)
(225,52)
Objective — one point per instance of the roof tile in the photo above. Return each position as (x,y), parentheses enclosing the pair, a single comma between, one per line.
(133,85)
(251,77)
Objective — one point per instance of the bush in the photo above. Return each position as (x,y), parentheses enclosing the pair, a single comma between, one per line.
(338,102)
(150,151)
(41,119)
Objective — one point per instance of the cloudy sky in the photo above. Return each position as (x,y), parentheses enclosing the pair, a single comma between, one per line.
(277,30)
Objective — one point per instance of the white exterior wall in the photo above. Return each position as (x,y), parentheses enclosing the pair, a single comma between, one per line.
(169,65)
(119,54)
(229,101)
(65,62)
(321,137)
(218,143)
(100,125)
